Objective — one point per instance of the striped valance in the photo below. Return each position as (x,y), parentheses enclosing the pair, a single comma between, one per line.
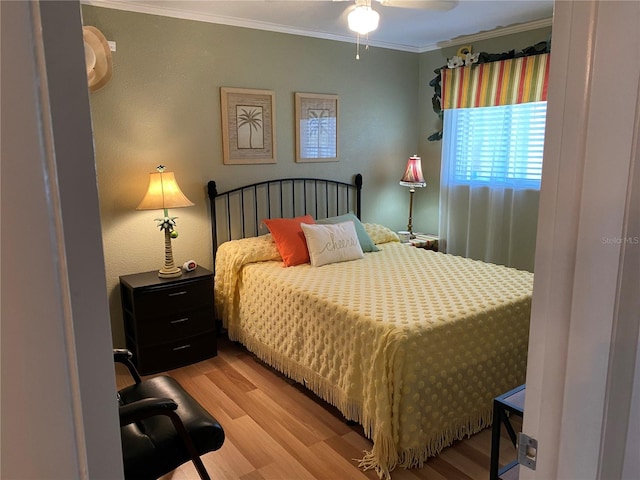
(505,82)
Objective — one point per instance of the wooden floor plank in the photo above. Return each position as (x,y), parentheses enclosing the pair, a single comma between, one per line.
(277,430)
(330,465)
(255,444)
(291,397)
(448,470)
(455,456)
(269,414)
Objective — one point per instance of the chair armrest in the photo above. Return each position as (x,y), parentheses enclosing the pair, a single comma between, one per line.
(150,407)
(145,408)
(122,355)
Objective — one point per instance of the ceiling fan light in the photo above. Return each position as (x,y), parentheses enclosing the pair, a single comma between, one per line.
(363,19)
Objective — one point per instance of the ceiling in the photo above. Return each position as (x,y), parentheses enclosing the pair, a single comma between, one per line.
(444,23)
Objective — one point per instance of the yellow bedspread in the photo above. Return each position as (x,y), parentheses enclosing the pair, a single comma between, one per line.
(411,343)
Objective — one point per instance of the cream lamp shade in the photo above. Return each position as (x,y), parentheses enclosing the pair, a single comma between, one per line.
(164,193)
(412,178)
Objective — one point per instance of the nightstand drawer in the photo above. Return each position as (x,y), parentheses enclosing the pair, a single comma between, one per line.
(151,331)
(168,322)
(154,302)
(158,358)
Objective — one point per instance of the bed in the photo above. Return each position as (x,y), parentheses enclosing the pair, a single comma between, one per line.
(410,343)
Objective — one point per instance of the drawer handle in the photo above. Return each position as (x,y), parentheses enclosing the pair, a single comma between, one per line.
(175,294)
(182,347)
(180,320)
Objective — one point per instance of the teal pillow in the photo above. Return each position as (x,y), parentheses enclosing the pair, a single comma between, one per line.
(366,243)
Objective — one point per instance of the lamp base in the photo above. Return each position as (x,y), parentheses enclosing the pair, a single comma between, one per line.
(169,270)
(170,273)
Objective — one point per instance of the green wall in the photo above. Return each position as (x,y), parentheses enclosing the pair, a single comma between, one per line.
(162,106)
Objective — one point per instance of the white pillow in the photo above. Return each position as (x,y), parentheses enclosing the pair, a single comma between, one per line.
(332,243)
(380,234)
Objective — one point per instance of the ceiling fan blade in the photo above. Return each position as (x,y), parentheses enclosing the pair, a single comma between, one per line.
(441,5)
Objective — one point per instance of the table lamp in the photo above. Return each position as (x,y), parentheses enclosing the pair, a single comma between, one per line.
(412,178)
(164,193)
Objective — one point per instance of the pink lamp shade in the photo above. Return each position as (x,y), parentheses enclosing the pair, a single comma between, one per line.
(412,178)
(413,174)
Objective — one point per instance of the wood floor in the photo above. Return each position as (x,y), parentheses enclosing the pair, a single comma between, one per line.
(276,429)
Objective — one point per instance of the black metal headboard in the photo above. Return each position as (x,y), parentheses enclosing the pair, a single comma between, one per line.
(238,213)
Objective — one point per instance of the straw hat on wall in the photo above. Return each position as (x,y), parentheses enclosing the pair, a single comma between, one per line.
(97,57)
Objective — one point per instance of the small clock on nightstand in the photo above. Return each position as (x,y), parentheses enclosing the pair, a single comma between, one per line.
(169,323)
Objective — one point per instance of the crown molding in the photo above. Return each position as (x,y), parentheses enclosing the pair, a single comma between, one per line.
(158,9)
(496,32)
(217,19)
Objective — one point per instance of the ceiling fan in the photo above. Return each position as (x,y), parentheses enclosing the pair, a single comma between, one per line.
(363,19)
(416,4)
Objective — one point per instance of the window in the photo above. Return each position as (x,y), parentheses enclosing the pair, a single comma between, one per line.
(496,145)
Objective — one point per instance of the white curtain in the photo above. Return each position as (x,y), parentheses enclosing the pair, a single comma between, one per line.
(495,224)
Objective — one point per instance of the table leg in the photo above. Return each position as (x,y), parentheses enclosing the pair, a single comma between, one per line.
(495,441)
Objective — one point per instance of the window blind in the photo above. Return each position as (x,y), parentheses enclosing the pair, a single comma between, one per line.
(496,146)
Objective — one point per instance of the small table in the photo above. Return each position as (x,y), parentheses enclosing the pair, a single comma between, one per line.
(425,240)
(511,402)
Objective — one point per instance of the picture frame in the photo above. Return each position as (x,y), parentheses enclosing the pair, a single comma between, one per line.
(248,126)
(316,117)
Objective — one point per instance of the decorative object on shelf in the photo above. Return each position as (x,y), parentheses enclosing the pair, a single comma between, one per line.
(97,56)
(316,127)
(412,178)
(248,126)
(463,57)
(455,62)
(164,193)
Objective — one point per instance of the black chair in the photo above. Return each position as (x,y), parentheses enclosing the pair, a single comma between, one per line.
(162,426)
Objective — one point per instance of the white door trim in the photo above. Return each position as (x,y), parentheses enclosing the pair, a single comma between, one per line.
(583,262)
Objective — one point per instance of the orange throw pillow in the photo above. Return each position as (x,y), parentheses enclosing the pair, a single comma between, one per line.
(289,238)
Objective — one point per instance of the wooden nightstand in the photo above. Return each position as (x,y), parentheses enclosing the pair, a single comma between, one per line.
(168,322)
(426,241)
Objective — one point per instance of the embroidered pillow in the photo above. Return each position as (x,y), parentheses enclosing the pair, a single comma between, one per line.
(290,240)
(366,243)
(332,243)
(380,234)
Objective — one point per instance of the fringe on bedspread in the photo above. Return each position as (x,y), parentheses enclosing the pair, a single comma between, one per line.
(384,456)
(322,388)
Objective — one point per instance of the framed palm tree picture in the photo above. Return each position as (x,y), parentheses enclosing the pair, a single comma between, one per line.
(248,126)
(316,127)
